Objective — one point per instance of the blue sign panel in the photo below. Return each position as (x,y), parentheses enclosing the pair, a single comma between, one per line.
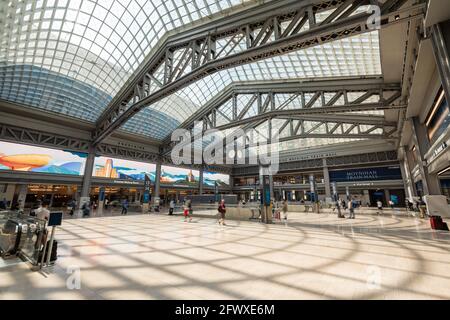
(147,182)
(366,174)
(101,196)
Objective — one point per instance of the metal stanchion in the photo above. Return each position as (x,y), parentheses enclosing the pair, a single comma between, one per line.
(54,220)
(49,254)
(43,254)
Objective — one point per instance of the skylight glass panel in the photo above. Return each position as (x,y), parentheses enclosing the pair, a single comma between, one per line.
(341,59)
(101,42)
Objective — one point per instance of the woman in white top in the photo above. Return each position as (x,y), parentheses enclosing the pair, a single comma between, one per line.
(380,207)
(42,212)
(171,206)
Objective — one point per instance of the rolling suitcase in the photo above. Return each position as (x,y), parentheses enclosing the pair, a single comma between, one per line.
(437,223)
(433,222)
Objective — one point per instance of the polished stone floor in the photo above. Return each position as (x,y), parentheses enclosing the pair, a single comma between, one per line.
(310,257)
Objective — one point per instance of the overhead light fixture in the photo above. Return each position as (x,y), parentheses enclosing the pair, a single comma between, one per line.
(443,171)
(435,107)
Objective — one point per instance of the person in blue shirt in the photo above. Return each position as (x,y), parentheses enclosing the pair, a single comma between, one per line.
(125,206)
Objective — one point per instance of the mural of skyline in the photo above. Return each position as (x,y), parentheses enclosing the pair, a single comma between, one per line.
(113,168)
(132,170)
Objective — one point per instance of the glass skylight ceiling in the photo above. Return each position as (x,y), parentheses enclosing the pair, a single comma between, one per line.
(97,43)
(353,56)
(72,57)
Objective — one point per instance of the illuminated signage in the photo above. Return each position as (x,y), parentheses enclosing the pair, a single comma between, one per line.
(383,173)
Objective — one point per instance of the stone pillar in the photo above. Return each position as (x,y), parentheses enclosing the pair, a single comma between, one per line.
(101,199)
(326,181)
(52,196)
(9,194)
(387,196)
(231,184)
(200,182)
(23,190)
(366,197)
(410,188)
(314,196)
(157,184)
(335,192)
(431,184)
(347,192)
(441,45)
(272,192)
(87,178)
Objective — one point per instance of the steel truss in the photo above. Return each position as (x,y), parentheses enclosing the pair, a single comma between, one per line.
(336,161)
(272,29)
(42,139)
(314,109)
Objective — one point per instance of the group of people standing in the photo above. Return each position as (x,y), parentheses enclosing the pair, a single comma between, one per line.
(188,210)
(351,204)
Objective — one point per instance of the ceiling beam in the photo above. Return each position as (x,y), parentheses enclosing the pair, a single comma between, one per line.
(257,32)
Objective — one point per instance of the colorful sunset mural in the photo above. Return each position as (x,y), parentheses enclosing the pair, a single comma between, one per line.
(37,159)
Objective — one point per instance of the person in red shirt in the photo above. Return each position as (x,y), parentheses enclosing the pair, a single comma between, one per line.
(222,211)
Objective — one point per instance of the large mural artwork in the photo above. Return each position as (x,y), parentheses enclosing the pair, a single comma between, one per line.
(112,168)
(209,179)
(179,176)
(20,157)
(37,159)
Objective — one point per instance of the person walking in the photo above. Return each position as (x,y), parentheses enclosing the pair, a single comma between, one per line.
(379,206)
(391,204)
(186,213)
(42,212)
(71,206)
(171,207)
(351,208)
(124,206)
(284,208)
(222,210)
(189,205)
